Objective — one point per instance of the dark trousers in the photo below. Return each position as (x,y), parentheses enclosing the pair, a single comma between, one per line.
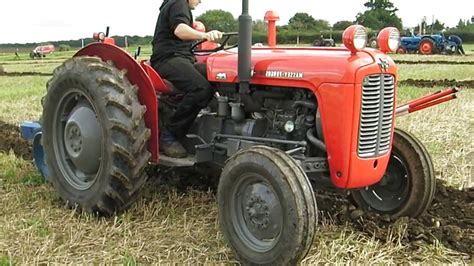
(198,92)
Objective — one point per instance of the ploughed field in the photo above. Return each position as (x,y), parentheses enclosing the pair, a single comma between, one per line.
(176,220)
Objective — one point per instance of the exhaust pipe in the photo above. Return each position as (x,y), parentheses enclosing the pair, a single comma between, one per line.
(245,48)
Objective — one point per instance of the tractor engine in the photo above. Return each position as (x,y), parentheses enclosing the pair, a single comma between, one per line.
(279,117)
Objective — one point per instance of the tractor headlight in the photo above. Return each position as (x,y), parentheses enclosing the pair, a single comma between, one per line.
(98,36)
(389,39)
(355,38)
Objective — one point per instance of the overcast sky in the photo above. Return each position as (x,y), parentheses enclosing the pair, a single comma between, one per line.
(52,20)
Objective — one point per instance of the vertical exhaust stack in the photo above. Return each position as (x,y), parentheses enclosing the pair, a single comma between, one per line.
(245,48)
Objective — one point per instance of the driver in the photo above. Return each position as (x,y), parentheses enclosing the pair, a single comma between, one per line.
(173,60)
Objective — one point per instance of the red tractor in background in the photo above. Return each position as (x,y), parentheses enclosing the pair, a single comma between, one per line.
(42,50)
(282,121)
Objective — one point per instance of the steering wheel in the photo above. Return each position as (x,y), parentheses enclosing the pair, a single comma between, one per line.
(222,45)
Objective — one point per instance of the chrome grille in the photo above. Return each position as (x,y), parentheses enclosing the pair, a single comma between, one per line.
(376,115)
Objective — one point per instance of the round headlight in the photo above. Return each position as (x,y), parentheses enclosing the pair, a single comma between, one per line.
(355,38)
(389,39)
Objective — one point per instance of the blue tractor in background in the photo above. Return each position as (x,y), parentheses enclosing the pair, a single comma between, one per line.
(428,44)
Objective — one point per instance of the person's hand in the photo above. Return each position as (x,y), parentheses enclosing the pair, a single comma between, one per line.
(213,35)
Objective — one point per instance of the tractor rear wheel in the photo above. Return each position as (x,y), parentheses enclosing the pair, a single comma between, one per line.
(94,136)
(317,43)
(267,209)
(426,46)
(407,187)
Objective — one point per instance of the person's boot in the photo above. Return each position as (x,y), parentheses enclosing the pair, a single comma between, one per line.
(170,146)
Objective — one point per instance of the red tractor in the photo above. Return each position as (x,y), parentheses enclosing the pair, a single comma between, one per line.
(41,51)
(282,121)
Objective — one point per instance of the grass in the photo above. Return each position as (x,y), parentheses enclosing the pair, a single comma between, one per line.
(170,227)
(436,72)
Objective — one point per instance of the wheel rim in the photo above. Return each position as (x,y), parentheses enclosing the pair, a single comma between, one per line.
(77,140)
(426,47)
(373,44)
(256,213)
(391,192)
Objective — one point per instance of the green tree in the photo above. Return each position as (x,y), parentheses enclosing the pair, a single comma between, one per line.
(302,22)
(322,25)
(437,26)
(342,25)
(218,20)
(380,14)
(259,26)
(461,24)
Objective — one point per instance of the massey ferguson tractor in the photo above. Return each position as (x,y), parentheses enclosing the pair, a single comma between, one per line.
(282,121)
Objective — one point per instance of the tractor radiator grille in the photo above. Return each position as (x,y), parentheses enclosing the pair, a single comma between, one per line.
(376,115)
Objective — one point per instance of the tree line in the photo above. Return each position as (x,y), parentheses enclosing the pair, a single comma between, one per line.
(301,27)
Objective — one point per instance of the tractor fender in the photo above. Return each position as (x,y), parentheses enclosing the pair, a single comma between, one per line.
(137,76)
(428,37)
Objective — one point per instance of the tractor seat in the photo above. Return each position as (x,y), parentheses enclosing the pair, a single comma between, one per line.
(171,89)
(161,86)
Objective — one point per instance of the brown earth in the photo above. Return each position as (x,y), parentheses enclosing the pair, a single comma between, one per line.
(19,74)
(438,62)
(437,83)
(449,220)
(10,139)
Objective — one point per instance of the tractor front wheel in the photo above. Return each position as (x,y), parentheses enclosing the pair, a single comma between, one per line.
(94,136)
(427,46)
(408,185)
(401,50)
(267,209)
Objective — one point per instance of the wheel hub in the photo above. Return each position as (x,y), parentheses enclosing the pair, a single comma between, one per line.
(82,139)
(258,211)
(262,211)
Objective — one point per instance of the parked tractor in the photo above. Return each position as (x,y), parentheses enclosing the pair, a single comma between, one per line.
(428,44)
(282,121)
(327,42)
(41,51)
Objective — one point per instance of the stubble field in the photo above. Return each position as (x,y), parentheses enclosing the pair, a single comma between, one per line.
(176,219)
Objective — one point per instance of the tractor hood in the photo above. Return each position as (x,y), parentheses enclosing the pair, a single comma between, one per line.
(292,67)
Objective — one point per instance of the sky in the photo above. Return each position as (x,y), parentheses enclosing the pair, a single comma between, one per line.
(23,21)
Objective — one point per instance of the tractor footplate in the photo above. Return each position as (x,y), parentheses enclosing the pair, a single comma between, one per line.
(177,162)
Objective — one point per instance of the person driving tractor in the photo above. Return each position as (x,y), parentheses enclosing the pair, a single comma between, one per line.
(173,60)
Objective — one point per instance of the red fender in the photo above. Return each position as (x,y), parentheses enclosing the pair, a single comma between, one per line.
(137,76)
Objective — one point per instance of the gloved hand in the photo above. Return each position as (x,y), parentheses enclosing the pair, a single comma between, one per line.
(213,35)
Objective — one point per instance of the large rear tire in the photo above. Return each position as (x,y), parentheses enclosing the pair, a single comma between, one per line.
(267,209)
(317,43)
(407,187)
(94,136)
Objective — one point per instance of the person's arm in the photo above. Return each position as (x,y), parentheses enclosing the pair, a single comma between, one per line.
(186,33)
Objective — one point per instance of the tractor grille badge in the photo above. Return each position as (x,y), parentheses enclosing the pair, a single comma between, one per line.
(383,64)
